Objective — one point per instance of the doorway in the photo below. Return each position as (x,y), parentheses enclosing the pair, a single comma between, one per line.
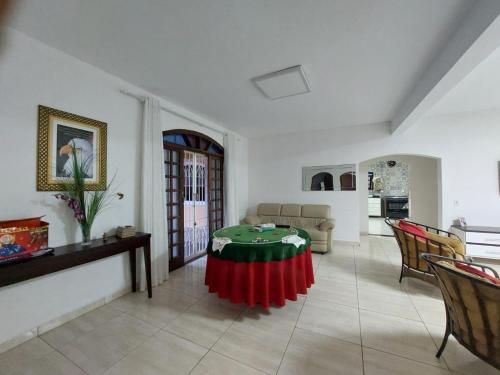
(399,187)
(195,204)
(194,189)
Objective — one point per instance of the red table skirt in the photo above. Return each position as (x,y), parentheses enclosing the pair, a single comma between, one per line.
(260,282)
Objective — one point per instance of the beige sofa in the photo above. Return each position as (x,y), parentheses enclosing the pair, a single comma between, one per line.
(313,218)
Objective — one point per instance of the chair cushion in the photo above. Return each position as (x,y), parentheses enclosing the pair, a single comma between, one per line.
(475,271)
(454,243)
(269,209)
(412,228)
(316,210)
(291,210)
(316,235)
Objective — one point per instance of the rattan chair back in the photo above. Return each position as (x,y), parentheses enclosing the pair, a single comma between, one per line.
(412,246)
(472,307)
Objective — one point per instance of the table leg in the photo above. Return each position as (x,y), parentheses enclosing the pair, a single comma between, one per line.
(133,266)
(147,263)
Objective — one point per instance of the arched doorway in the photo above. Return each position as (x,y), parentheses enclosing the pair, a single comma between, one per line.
(194,186)
(399,186)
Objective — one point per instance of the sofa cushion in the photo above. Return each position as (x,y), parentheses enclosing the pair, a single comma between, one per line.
(316,210)
(269,209)
(316,235)
(291,210)
(264,219)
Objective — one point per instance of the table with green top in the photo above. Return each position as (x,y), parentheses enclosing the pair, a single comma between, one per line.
(257,267)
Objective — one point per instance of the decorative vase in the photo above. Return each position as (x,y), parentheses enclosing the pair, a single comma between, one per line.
(86,240)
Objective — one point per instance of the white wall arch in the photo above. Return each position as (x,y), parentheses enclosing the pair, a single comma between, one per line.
(425,188)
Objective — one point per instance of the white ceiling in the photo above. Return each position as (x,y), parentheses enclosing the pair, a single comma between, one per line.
(478,91)
(362,57)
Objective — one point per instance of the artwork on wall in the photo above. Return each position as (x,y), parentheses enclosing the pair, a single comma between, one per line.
(329,178)
(59,133)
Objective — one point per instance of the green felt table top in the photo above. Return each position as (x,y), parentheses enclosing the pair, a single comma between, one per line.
(246,234)
(242,249)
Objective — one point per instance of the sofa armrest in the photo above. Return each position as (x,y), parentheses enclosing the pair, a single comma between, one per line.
(326,225)
(252,220)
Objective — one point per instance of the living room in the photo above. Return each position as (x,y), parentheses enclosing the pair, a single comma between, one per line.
(236,102)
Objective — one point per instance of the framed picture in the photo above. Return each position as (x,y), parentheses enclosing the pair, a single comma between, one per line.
(329,178)
(59,133)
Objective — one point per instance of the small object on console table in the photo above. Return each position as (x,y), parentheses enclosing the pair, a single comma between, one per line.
(126,231)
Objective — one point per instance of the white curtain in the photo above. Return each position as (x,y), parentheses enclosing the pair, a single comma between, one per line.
(231,207)
(153,218)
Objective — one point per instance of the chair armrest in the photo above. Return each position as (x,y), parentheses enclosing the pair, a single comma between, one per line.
(252,220)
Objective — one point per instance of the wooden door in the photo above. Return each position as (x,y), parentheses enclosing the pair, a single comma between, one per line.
(174,174)
(215,193)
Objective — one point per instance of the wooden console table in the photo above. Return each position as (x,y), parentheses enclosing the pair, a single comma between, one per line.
(73,255)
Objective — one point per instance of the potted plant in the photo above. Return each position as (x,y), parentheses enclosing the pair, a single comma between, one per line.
(86,205)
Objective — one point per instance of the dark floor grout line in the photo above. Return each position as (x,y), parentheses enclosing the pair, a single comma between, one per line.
(64,355)
(220,337)
(241,363)
(359,316)
(421,321)
(408,358)
(293,331)
(122,357)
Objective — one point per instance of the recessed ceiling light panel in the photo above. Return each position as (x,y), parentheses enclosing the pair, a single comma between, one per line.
(283,83)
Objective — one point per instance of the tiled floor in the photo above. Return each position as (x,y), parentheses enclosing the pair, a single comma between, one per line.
(377,226)
(356,319)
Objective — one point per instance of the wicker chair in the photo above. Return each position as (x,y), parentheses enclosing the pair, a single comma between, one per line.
(436,241)
(472,307)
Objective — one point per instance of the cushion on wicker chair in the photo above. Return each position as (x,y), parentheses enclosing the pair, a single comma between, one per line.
(475,271)
(412,228)
(454,243)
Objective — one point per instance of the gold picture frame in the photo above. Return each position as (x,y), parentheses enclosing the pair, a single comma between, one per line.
(58,133)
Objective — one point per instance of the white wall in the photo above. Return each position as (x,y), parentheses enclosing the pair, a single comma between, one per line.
(467,145)
(31,73)
(423,188)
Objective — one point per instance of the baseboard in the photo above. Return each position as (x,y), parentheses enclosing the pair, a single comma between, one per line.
(59,321)
(17,340)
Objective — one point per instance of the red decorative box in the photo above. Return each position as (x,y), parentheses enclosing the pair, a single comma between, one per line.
(22,237)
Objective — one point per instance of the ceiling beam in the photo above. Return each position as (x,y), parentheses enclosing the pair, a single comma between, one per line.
(475,39)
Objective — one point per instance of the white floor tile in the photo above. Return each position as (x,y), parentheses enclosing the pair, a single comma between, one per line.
(327,318)
(406,338)
(184,329)
(314,353)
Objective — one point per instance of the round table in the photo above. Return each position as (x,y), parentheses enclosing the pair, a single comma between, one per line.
(257,267)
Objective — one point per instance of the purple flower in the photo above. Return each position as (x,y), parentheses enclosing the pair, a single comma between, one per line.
(73,204)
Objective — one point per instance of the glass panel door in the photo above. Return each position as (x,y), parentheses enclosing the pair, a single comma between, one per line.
(195,204)
(174,186)
(215,193)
